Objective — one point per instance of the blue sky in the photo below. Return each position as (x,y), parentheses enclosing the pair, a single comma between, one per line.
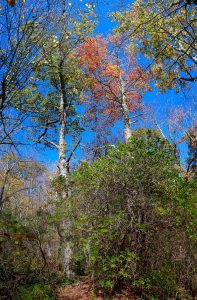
(160,102)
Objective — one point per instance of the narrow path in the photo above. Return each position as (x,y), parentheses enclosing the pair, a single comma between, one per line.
(83,290)
(79,290)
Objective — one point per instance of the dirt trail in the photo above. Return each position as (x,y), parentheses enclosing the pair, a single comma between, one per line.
(83,290)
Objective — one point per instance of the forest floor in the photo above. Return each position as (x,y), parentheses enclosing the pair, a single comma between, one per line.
(83,290)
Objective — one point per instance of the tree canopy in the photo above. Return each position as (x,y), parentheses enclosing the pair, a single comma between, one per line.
(165,33)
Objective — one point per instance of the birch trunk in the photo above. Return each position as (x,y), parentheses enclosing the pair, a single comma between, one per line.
(63,170)
(127,127)
(62,162)
(125,111)
(68,254)
(49,249)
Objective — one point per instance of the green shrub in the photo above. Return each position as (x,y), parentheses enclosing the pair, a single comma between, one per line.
(36,292)
(135,218)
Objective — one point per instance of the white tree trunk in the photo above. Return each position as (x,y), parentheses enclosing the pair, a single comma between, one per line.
(68,252)
(62,162)
(125,111)
(63,170)
(127,127)
(49,249)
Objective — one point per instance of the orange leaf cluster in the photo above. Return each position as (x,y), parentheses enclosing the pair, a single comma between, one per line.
(98,57)
(11,2)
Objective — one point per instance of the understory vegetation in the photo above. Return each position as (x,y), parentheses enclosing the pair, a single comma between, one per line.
(130,219)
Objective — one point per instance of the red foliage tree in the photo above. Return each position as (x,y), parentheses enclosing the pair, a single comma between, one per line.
(117,82)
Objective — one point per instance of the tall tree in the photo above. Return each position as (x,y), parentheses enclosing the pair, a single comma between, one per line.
(17,53)
(117,81)
(58,84)
(165,33)
(57,70)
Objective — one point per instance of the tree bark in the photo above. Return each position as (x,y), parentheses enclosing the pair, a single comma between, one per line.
(125,111)
(63,170)
(62,162)
(63,167)
(127,127)
(68,262)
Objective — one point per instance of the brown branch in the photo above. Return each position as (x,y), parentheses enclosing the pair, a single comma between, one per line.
(73,151)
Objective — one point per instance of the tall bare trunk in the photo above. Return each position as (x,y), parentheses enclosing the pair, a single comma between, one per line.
(62,162)
(63,170)
(68,260)
(125,111)
(127,127)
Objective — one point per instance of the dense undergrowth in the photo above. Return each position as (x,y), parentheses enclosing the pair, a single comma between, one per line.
(129,218)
